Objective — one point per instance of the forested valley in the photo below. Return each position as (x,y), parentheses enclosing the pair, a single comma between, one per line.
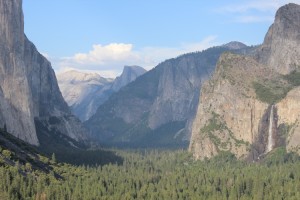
(148,174)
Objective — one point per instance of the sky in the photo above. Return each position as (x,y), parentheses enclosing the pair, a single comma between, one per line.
(103,36)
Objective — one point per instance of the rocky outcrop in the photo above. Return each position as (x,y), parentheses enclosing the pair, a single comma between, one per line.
(249,107)
(157,107)
(85,92)
(235,112)
(280,50)
(29,89)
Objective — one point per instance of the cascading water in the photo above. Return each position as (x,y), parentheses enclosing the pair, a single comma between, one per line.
(270,144)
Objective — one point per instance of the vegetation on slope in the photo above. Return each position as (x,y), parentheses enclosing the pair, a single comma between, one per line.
(273,90)
(15,152)
(211,130)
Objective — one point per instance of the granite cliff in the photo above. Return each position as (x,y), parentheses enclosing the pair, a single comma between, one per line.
(280,49)
(249,106)
(29,91)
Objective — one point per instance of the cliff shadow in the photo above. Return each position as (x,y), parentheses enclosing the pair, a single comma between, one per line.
(71,151)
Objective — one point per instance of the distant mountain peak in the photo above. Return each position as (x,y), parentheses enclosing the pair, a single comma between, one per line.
(235,45)
(78,76)
(129,74)
(134,67)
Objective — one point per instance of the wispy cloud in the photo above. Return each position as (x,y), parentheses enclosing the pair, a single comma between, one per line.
(253,11)
(262,6)
(45,55)
(108,60)
(253,19)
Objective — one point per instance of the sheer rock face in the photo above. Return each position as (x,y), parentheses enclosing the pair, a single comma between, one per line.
(177,92)
(29,90)
(46,96)
(289,115)
(280,50)
(228,115)
(15,93)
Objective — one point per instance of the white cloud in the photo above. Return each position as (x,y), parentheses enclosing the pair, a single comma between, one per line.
(102,54)
(109,60)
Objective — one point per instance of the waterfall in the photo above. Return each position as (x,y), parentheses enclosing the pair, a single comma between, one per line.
(270,135)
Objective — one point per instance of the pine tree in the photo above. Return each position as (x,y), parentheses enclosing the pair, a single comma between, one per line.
(53,158)
(5,128)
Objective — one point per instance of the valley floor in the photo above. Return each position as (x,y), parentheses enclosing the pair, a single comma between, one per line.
(158,175)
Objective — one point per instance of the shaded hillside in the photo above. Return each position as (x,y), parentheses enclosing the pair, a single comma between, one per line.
(69,150)
(17,153)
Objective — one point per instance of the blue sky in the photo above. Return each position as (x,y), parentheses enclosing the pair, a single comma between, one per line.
(103,36)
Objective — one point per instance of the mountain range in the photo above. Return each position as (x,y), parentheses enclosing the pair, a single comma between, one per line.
(157,108)
(85,92)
